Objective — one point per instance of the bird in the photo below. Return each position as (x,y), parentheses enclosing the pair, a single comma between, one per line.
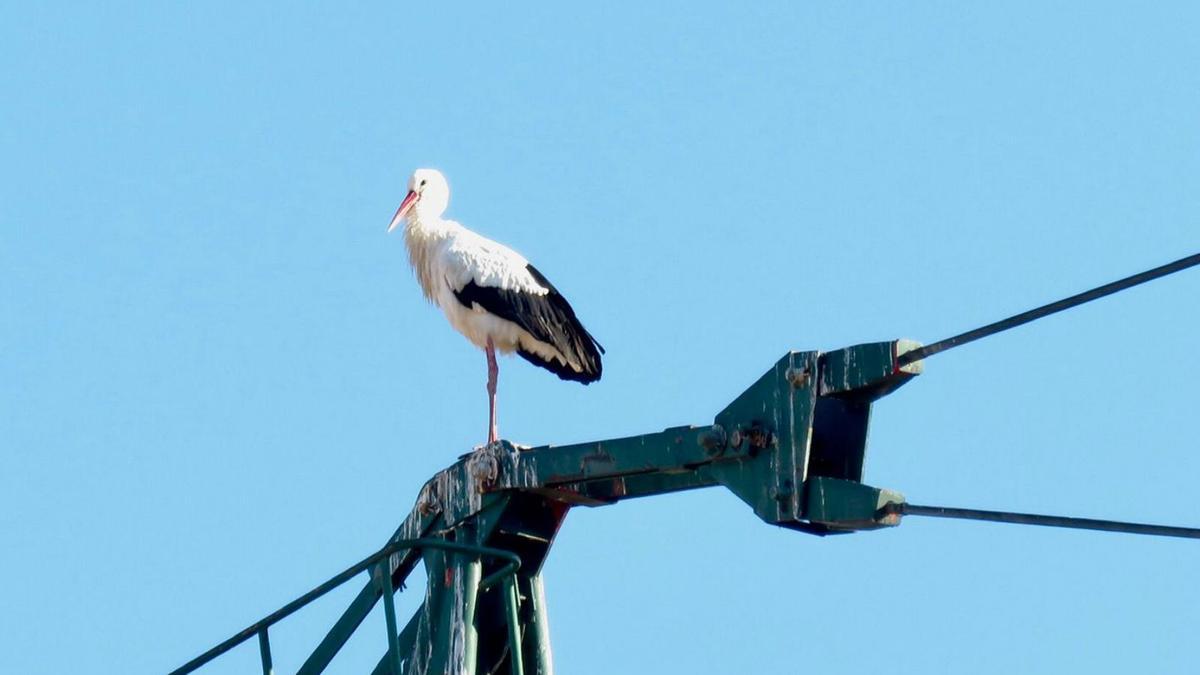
(490,293)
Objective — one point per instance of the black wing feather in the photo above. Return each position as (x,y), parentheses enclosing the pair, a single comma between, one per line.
(548,318)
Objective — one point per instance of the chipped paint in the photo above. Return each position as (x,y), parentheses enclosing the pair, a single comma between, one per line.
(483,466)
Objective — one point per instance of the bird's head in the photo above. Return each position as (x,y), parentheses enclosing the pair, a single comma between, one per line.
(428,195)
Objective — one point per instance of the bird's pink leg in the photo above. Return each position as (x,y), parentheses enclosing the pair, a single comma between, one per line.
(493,374)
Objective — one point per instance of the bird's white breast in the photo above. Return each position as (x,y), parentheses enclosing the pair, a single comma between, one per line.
(446,257)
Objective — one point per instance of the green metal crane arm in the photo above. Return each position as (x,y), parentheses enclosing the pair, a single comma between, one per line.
(791,446)
(512,563)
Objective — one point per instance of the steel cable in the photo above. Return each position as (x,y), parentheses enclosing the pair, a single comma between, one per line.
(905,509)
(1047,310)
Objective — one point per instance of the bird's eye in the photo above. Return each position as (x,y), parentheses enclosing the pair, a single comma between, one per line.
(422,183)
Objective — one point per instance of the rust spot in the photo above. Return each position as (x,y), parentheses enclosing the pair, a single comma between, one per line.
(618,487)
(759,438)
(798,377)
(600,456)
(449,577)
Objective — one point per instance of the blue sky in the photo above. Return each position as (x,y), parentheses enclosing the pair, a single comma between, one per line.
(221,384)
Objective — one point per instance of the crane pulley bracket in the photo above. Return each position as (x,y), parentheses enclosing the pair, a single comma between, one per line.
(792,446)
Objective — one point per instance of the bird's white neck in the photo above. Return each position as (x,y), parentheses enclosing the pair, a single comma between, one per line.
(425,228)
(422,235)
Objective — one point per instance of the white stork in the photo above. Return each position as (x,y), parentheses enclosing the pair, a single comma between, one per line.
(490,293)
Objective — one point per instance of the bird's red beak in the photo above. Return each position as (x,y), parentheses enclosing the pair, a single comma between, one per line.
(403,210)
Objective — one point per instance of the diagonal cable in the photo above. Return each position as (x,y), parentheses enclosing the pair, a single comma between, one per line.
(1047,310)
(905,509)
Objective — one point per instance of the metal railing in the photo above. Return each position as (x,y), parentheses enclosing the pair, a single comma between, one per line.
(379,560)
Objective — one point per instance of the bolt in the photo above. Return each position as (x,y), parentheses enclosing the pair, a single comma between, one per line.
(713,440)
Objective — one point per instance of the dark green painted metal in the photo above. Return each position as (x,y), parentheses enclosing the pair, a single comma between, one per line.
(401,564)
(404,641)
(514,626)
(867,371)
(417,524)
(600,492)
(342,629)
(761,447)
(511,565)
(384,576)
(847,505)
(563,465)
(771,424)
(539,626)
(492,579)
(264,651)
(792,446)
(470,572)
(433,642)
